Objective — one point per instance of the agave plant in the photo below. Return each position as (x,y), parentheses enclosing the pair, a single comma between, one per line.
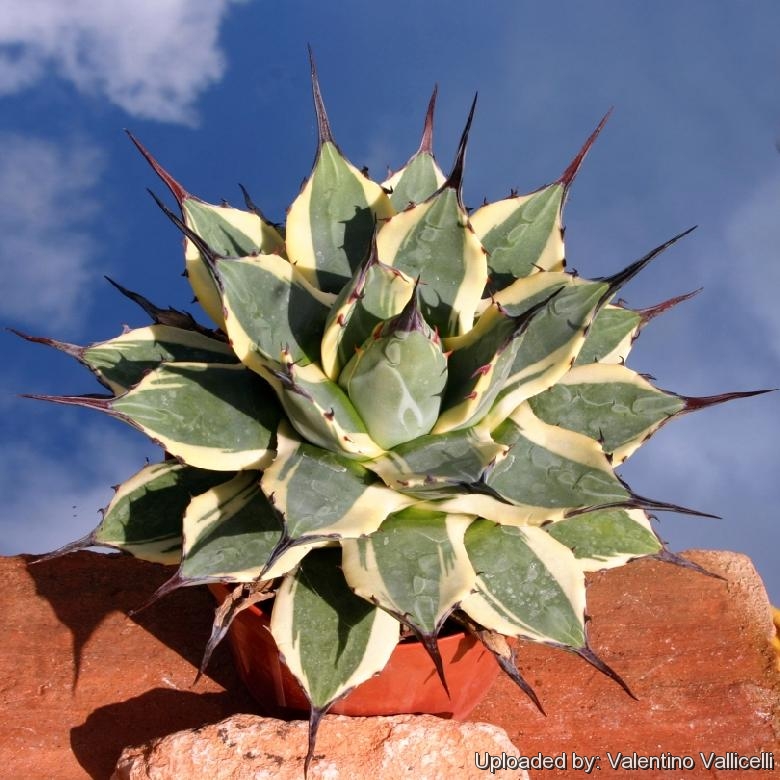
(406,411)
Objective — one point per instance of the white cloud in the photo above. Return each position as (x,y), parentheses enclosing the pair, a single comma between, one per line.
(46,201)
(150,57)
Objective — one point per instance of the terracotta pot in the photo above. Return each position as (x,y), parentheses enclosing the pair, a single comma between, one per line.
(408,684)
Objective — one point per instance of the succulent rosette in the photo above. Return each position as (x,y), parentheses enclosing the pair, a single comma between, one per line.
(405,412)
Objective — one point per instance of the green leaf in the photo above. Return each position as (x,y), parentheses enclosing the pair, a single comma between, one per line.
(219,417)
(230,533)
(610,336)
(321,412)
(433,242)
(608,403)
(415,566)
(555,336)
(421,176)
(228,232)
(122,362)
(478,369)
(375,293)
(321,493)
(480,363)
(330,224)
(551,468)
(549,345)
(415,182)
(489,507)
(528,585)
(329,638)
(606,538)
(615,329)
(144,517)
(439,461)
(231,232)
(270,308)
(522,235)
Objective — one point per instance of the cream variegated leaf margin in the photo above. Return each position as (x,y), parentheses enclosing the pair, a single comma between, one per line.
(122,362)
(330,223)
(616,327)
(431,462)
(421,176)
(491,508)
(230,532)
(549,467)
(476,371)
(528,369)
(220,417)
(479,367)
(611,336)
(606,538)
(415,566)
(144,517)
(434,242)
(228,232)
(323,494)
(528,584)
(522,296)
(528,293)
(353,639)
(270,308)
(549,346)
(522,234)
(321,412)
(608,403)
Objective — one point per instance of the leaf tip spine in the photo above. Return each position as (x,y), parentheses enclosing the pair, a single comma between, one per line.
(426,142)
(324,133)
(568,176)
(693,403)
(455,179)
(587,654)
(621,278)
(651,312)
(177,190)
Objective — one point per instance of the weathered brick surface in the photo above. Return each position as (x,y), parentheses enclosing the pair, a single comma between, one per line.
(80,680)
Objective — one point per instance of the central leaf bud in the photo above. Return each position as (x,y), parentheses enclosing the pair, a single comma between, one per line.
(396,379)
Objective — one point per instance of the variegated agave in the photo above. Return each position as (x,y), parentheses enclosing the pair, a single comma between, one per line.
(407,412)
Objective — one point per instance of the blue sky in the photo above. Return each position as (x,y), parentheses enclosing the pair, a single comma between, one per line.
(219,91)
